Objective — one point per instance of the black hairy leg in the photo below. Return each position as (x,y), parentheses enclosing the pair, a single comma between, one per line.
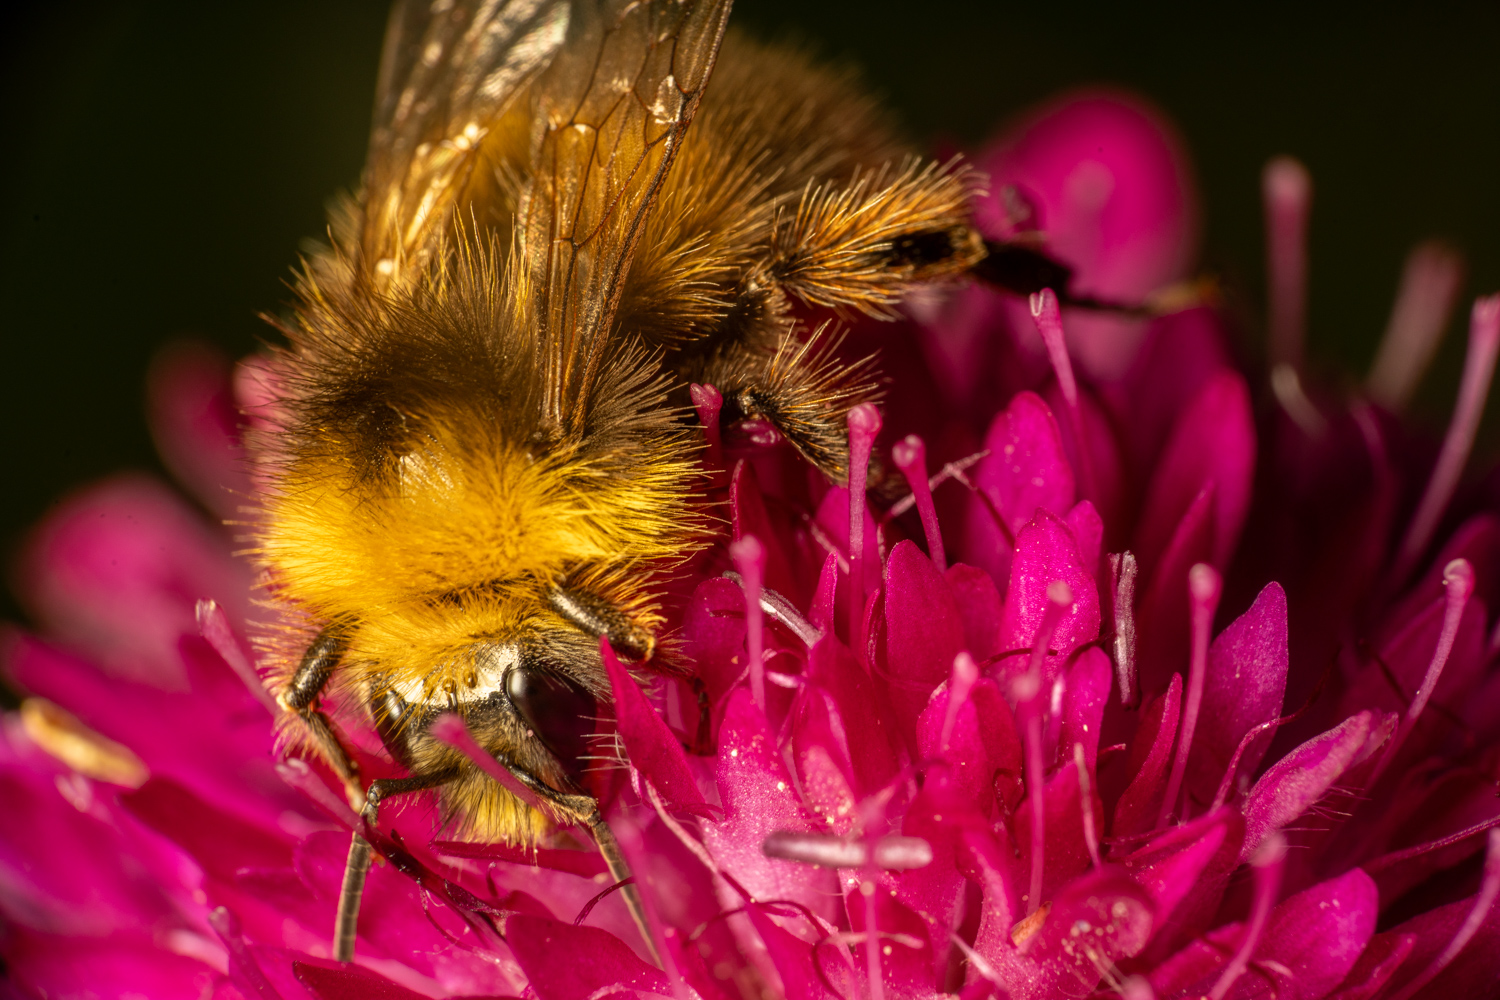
(597,617)
(799,388)
(346,924)
(301,697)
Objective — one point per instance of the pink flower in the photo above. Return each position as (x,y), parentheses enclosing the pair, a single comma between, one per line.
(1161,685)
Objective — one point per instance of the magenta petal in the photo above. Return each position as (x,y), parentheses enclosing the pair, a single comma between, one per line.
(1112,188)
(650,745)
(1027,466)
(62,868)
(1473,972)
(1046,552)
(1181,353)
(857,707)
(219,747)
(1106,905)
(979,605)
(795,961)
(1311,940)
(116,968)
(1213,443)
(196,424)
(903,966)
(759,799)
(1185,870)
(714,637)
(1243,688)
(1066,850)
(564,962)
(119,569)
(923,629)
(750,517)
(1162,616)
(336,981)
(1297,781)
(822,761)
(982,744)
(1150,760)
(1376,965)
(1087,692)
(1088,529)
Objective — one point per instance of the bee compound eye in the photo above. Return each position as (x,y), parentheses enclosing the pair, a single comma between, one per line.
(558,711)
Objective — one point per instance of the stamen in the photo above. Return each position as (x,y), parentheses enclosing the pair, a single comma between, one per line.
(1204,588)
(1429,290)
(953,470)
(965,675)
(1479,367)
(1122,569)
(1268,862)
(1048,317)
(1458,585)
(910,456)
(1488,890)
(1286,190)
(709,401)
(1090,837)
(1026,690)
(872,939)
(864,424)
(750,559)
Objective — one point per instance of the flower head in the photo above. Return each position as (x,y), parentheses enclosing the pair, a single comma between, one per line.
(1144,688)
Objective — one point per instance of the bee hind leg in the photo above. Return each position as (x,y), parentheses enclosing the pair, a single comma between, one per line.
(346,924)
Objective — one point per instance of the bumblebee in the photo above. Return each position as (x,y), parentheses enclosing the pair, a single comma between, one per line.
(570,213)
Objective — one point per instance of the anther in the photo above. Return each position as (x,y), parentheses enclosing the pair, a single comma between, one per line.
(910,456)
(750,559)
(1267,865)
(1479,368)
(864,425)
(1204,588)
(1429,290)
(1122,569)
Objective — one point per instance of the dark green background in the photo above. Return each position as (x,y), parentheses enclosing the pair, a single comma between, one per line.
(163,160)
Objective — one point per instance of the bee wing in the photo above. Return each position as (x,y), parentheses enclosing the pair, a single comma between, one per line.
(449,72)
(614,106)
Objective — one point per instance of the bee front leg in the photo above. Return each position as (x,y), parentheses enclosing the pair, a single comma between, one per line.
(301,696)
(357,868)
